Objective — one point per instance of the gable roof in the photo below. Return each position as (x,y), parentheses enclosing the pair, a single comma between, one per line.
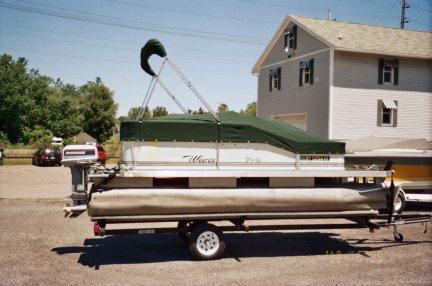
(83,137)
(359,38)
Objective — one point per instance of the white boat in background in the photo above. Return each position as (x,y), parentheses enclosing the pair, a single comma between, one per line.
(411,162)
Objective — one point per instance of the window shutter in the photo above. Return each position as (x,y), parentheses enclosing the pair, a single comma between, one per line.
(285,41)
(270,80)
(396,72)
(294,31)
(311,68)
(379,112)
(395,111)
(300,76)
(279,78)
(380,70)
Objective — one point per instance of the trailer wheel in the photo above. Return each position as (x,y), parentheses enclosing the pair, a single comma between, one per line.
(206,242)
(183,230)
(399,203)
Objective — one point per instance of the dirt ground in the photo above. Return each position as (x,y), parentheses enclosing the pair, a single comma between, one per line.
(38,246)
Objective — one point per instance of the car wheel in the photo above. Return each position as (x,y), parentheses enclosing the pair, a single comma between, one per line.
(399,203)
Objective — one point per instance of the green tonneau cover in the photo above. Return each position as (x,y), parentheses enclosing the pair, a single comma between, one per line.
(233,127)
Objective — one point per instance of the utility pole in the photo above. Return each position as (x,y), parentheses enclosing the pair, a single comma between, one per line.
(403,19)
(328,14)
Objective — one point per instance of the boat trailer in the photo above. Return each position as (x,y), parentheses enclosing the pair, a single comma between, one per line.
(205,240)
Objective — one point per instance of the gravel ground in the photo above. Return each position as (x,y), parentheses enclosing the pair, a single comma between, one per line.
(38,246)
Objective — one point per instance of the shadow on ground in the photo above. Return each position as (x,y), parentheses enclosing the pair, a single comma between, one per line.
(416,206)
(151,248)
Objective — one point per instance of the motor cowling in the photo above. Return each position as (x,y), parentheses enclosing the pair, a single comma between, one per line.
(79,155)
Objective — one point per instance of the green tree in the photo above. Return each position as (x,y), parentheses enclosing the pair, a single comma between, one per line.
(24,99)
(223,107)
(200,111)
(65,117)
(251,109)
(159,111)
(99,110)
(135,112)
(38,136)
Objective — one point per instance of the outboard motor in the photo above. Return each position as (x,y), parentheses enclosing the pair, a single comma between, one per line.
(79,158)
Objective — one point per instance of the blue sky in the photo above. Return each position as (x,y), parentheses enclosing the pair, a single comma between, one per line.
(215,43)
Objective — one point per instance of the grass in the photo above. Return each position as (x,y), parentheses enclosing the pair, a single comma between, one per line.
(17,161)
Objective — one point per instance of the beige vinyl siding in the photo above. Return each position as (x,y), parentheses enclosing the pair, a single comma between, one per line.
(291,98)
(356,91)
(305,44)
(298,120)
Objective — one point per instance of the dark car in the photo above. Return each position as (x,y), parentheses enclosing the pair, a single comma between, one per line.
(102,154)
(47,157)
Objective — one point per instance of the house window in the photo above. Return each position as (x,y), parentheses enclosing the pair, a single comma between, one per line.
(388,74)
(306,72)
(306,76)
(290,39)
(388,71)
(387,116)
(275,79)
(387,113)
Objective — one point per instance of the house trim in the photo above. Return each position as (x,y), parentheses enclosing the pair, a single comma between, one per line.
(288,19)
(295,58)
(330,97)
(289,114)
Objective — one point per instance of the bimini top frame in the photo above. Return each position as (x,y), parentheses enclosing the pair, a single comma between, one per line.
(152,47)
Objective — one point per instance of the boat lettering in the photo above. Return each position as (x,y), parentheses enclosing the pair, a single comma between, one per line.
(144,231)
(253,160)
(199,159)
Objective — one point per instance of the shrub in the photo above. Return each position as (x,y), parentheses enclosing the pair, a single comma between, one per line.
(38,137)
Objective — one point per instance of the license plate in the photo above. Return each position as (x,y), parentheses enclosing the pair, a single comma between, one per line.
(52,157)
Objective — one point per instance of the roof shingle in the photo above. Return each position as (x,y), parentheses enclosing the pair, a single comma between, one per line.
(370,39)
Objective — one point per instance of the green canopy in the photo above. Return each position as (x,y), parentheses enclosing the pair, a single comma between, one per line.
(233,127)
(152,47)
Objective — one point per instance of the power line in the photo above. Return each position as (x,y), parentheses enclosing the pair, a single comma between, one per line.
(124,49)
(309,9)
(419,22)
(420,8)
(388,12)
(102,38)
(189,12)
(91,58)
(58,14)
(124,20)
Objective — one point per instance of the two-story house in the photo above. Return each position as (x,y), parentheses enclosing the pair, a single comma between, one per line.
(347,81)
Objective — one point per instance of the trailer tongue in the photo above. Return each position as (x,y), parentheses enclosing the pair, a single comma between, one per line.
(196,169)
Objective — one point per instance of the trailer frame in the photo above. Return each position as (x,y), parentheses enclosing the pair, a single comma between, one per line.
(205,240)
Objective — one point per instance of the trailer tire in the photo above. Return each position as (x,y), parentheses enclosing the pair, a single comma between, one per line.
(206,241)
(399,203)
